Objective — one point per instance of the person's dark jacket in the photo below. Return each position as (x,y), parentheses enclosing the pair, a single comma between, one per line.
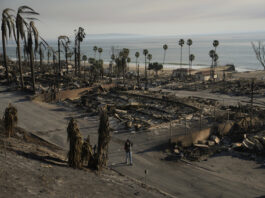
(128,145)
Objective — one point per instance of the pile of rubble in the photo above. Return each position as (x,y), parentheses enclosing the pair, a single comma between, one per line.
(243,135)
(136,109)
(239,87)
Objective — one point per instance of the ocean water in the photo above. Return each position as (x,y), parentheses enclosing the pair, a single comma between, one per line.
(233,48)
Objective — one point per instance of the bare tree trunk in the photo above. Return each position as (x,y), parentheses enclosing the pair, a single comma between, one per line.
(145,72)
(181,57)
(53,60)
(40,57)
(79,67)
(164,57)
(189,61)
(59,70)
(75,57)
(32,68)
(48,60)
(103,140)
(66,60)
(5,58)
(123,70)
(19,60)
(212,70)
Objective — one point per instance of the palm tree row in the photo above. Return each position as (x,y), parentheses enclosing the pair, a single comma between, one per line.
(22,27)
(214,56)
(181,44)
(18,27)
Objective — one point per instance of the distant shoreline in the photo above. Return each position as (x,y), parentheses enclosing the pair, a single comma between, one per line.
(167,66)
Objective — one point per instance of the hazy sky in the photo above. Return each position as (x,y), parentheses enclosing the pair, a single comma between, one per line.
(151,17)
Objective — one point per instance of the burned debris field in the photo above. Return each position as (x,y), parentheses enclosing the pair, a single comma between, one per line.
(86,115)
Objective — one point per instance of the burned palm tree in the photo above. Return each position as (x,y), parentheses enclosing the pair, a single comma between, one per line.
(87,155)
(75,57)
(69,55)
(124,56)
(181,43)
(61,39)
(215,45)
(42,47)
(189,43)
(32,34)
(112,57)
(137,54)
(84,58)
(49,54)
(145,52)
(20,27)
(128,60)
(7,27)
(100,50)
(54,57)
(103,140)
(75,148)
(149,57)
(215,59)
(10,119)
(191,59)
(212,55)
(95,49)
(165,47)
(80,35)
(66,49)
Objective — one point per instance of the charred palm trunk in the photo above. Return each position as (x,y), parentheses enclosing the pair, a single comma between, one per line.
(164,58)
(145,72)
(79,67)
(181,57)
(48,59)
(103,140)
(54,69)
(75,50)
(138,75)
(66,60)
(137,70)
(40,57)
(75,147)
(84,70)
(189,62)
(53,60)
(31,54)
(5,58)
(123,70)
(212,69)
(10,119)
(19,60)
(25,56)
(59,69)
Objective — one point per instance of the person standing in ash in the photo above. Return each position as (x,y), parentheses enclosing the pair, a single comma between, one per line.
(128,149)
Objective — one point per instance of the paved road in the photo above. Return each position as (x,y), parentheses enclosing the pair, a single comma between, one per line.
(176,178)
